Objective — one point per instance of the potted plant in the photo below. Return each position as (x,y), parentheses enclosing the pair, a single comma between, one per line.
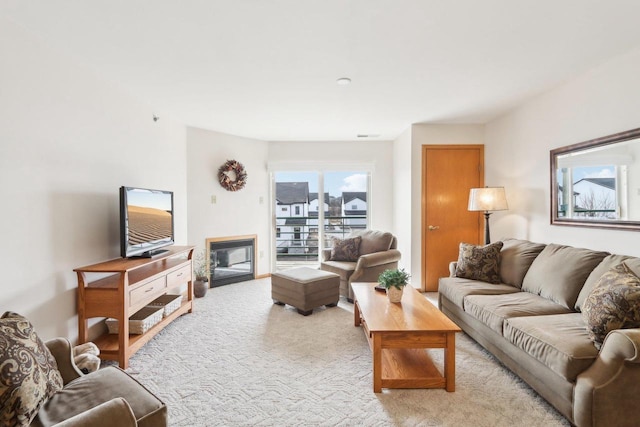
(394,282)
(201,284)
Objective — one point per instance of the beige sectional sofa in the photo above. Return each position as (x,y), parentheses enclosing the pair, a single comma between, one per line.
(532,322)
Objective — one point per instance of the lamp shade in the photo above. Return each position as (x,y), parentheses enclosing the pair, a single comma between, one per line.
(487,199)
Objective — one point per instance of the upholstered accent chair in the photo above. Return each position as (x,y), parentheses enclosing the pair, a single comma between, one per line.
(106,397)
(41,386)
(377,251)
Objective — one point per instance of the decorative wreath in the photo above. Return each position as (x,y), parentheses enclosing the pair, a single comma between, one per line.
(225,178)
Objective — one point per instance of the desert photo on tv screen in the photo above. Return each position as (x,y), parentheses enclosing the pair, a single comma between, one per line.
(148,224)
(149,216)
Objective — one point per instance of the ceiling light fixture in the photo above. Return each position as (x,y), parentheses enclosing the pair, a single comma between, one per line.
(344,81)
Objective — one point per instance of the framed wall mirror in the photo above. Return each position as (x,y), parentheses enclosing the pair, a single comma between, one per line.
(596,183)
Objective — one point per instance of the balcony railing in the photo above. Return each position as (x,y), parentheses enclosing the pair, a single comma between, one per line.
(593,213)
(297,238)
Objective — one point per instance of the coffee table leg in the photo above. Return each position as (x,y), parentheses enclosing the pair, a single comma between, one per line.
(356,314)
(450,362)
(377,363)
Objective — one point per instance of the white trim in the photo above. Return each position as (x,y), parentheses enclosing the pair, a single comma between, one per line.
(272,229)
(298,166)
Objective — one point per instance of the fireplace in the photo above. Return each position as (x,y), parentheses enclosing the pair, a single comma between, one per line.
(231,259)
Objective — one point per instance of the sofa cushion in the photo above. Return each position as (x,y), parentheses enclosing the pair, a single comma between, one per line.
(455,289)
(479,262)
(614,303)
(342,268)
(373,241)
(101,386)
(559,272)
(607,264)
(346,250)
(558,341)
(28,371)
(492,310)
(516,257)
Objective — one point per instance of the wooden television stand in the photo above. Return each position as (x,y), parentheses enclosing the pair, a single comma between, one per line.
(129,285)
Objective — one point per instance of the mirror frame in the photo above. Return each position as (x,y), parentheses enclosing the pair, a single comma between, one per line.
(598,142)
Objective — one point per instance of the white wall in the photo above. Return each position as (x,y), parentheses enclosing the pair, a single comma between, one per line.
(601,102)
(68,141)
(427,134)
(376,153)
(402,190)
(235,212)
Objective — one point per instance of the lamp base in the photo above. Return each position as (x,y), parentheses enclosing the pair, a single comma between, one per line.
(487,234)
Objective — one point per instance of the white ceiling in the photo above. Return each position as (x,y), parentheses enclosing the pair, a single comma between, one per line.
(267,69)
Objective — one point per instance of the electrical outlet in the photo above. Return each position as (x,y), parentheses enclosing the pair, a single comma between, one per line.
(261,200)
(261,254)
(213,199)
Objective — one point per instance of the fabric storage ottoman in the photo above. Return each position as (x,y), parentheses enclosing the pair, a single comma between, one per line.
(305,289)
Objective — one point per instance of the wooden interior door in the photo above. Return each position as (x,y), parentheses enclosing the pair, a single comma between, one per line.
(448,173)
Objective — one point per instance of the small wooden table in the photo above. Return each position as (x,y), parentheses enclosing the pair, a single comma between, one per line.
(399,333)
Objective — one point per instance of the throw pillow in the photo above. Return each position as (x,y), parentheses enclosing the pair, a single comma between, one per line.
(28,371)
(346,250)
(614,303)
(479,262)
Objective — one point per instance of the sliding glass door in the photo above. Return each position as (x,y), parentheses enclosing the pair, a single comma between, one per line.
(313,207)
(296,234)
(348,208)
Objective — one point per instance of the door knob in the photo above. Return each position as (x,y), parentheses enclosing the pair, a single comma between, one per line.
(434,227)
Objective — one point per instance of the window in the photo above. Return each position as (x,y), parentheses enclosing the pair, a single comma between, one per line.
(321,206)
(283,209)
(589,192)
(277,231)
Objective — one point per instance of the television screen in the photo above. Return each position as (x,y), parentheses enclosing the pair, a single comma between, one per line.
(146,221)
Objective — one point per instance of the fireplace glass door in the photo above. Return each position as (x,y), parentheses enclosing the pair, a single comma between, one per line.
(231,261)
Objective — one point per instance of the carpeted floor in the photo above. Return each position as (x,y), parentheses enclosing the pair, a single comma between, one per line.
(240,360)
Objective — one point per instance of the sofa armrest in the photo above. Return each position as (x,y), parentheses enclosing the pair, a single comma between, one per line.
(370,266)
(326,254)
(378,258)
(622,345)
(63,353)
(115,412)
(606,393)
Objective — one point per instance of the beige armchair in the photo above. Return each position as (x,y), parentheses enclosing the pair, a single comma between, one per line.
(377,253)
(107,397)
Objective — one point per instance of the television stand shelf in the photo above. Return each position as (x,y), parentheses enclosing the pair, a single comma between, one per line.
(120,287)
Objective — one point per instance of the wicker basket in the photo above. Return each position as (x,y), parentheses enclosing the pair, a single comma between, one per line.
(140,322)
(168,302)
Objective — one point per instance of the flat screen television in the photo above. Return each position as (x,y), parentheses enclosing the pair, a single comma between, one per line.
(146,222)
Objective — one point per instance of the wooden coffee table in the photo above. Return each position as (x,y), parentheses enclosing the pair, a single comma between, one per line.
(398,335)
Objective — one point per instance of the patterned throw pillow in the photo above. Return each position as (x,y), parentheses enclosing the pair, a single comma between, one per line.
(479,262)
(346,250)
(28,372)
(614,303)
